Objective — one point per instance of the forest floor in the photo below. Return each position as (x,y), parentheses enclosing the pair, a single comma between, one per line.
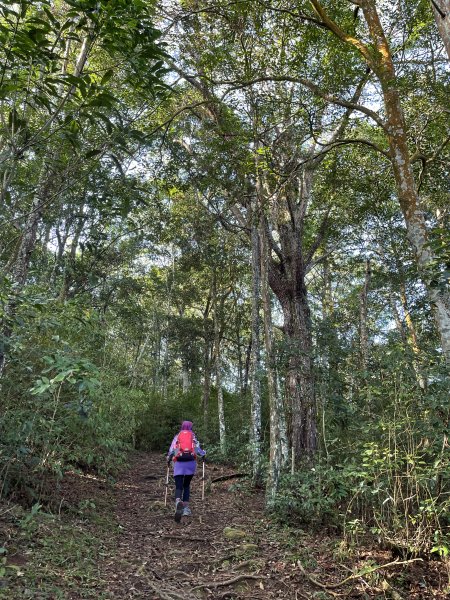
(117,540)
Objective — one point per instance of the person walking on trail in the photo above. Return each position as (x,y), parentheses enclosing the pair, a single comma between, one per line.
(183,453)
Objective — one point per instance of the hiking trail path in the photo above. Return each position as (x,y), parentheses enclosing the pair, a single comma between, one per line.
(161,559)
(231,549)
(115,540)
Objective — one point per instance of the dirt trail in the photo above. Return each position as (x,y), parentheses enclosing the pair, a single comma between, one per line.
(155,558)
(117,541)
(160,559)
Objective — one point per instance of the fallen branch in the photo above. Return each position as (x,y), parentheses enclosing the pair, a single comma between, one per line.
(232,476)
(227,581)
(331,586)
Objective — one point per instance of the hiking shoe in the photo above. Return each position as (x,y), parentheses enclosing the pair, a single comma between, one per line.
(179,511)
(187,512)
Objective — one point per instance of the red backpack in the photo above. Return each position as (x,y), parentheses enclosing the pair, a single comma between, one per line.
(185,446)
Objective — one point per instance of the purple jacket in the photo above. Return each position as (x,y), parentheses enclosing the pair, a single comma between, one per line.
(188,467)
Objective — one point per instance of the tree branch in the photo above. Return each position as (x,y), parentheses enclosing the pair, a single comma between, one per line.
(236,85)
(318,239)
(341,34)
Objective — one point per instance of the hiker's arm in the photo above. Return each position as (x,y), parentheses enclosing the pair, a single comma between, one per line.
(198,450)
(171,450)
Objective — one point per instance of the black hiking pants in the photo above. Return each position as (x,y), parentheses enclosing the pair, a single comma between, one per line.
(182,489)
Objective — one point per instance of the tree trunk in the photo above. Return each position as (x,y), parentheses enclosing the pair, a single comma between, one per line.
(240,365)
(140,355)
(327,292)
(403,173)
(185,382)
(441,11)
(207,360)
(397,319)
(69,262)
(255,357)
(363,331)
(276,409)
(412,338)
(248,359)
(206,391)
(299,380)
(218,367)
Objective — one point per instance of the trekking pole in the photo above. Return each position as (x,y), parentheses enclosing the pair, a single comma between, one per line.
(203,482)
(167,485)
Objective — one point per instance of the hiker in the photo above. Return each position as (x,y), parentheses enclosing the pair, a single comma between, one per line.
(183,453)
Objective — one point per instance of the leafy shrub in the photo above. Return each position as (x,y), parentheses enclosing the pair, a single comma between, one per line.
(315,497)
(394,482)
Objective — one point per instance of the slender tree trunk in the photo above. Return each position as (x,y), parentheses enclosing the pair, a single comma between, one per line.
(403,173)
(185,380)
(218,367)
(255,360)
(206,391)
(62,241)
(248,358)
(207,361)
(69,262)
(19,270)
(412,338)
(166,362)
(157,353)
(327,293)
(240,381)
(276,409)
(397,319)
(137,361)
(363,330)
(441,11)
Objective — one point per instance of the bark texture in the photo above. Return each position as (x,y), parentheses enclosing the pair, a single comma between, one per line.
(276,410)
(441,11)
(403,172)
(255,355)
(217,313)
(363,328)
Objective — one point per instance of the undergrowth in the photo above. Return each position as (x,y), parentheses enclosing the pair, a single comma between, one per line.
(47,555)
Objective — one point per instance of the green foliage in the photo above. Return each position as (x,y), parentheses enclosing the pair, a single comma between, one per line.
(161,419)
(393,483)
(64,418)
(315,497)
